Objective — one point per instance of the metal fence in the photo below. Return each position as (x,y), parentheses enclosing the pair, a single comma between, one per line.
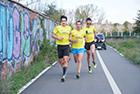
(119,35)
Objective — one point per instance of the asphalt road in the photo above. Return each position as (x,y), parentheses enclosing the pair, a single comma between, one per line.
(113,75)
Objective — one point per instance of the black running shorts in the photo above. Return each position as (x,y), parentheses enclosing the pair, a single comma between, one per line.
(87,45)
(63,50)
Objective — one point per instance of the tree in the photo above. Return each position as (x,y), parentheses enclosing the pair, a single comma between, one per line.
(29,2)
(100,16)
(53,13)
(90,10)
(99,27)
(108,28)
(70,16)
(126,27)
(120,29)
(137,27)
(115,30)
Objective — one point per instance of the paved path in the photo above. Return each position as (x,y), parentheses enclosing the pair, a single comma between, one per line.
(113,75)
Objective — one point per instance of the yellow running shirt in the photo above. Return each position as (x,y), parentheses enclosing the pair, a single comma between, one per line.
(80,36)
(90,34)
(64,32)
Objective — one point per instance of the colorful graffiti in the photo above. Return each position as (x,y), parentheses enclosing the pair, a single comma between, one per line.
(51,25)
(35,32)
(47,27)
(19,35)
(2,37)
(2,31)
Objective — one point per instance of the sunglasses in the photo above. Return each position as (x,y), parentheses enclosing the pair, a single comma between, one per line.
(88,23)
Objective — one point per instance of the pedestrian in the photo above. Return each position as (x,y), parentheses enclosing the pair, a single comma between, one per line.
(76,37)
(62,33)
(90,44)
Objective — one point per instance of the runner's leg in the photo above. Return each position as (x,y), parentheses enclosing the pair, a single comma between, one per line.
(92,48)
(93,55)
(66,59)
(75,58)
(80,56)
(61,62)
(88,57)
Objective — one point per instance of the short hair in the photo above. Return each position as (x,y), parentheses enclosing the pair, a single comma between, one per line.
(78,21)
(63,16)
(88,19)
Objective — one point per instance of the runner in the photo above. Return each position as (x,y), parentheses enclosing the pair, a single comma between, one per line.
(90,44)
(78,50)
(61,33)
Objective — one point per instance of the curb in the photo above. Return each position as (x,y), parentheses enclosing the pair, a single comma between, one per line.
(33,80)
(116,51)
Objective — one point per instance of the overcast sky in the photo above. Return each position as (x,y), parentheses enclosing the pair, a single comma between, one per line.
(116,11)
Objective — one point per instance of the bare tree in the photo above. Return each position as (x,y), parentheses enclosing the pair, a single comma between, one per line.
(100,16)
(130,28)
(84,11)
(120,29)
(29,2)
(70,15)
(99,27)
(108,28)
(19,0)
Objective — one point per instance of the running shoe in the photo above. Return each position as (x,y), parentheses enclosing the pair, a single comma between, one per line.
(63,78)
(94,65)
(78,75)
(90,70)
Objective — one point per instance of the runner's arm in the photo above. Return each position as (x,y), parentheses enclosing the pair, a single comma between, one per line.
(54,36)
(85,38)
(71,39)
(96,35)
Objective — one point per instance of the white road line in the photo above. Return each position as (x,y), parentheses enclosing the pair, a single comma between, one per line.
(108,75)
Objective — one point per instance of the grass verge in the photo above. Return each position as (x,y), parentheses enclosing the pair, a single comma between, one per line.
(130,48)
(46,56)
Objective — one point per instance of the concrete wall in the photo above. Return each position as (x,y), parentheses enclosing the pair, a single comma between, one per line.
(20,31)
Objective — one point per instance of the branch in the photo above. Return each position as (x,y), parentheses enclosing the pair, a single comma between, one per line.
(28,4)
(19,0)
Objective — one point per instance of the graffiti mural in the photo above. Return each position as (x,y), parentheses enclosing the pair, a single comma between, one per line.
(51,25)
(20,31)
(9,35)
(2,31)
(35,32)
(41,32)
(47,28)
(26,36)
(2,36)
(17,34)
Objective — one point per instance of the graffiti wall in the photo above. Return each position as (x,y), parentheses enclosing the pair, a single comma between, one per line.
(20,31)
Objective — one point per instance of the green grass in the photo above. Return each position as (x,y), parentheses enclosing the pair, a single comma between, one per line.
(130,48)
(46,56)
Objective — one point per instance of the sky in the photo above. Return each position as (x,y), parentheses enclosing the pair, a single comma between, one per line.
(116,11)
